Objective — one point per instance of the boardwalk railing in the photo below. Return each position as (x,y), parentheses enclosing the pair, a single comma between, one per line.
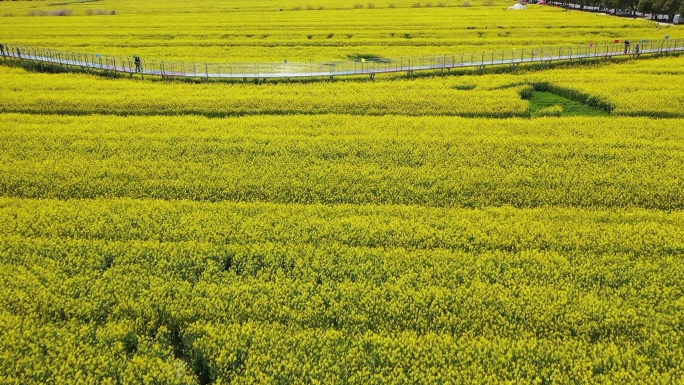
(331,69)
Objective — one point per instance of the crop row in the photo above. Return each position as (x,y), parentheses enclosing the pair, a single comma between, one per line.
(505,229)
(80,95)
(434,161)
(107,290)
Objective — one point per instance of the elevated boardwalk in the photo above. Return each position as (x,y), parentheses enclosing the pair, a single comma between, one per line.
(331,69)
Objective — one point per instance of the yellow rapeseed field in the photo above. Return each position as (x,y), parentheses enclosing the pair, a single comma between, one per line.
(294,30)
(485,226)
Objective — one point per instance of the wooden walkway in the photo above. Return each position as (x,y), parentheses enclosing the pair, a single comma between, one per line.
(331,69)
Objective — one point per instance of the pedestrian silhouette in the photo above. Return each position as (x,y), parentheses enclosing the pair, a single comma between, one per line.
(18,52)
(2,49)
(138,64)
(626,46)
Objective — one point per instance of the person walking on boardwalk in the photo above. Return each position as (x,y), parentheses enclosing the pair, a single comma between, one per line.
(18,52)
(626,46)
(2,49)
(636,49)
(138,63)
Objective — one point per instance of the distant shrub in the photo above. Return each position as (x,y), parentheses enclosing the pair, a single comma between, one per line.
(330,35)
(371,5)
(56,12)
(297,8)
(61,12)
(92,12)
(392,5)
(465,87)
(466,4)
(526,92)
(309,37)
(358,6)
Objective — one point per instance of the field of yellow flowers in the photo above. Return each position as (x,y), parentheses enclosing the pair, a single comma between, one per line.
(422,230)
(303,30)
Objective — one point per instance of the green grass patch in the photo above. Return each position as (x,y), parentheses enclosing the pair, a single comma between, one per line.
(541,101)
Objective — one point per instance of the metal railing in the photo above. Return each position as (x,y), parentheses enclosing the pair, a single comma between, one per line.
(331,69)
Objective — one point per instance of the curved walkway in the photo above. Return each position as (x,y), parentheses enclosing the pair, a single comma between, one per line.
(331,69)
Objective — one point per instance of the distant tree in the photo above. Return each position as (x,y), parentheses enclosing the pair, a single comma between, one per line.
(667,7)
(645,6)
(621,4)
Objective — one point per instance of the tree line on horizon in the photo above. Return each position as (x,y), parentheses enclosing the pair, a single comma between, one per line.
(668,8)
